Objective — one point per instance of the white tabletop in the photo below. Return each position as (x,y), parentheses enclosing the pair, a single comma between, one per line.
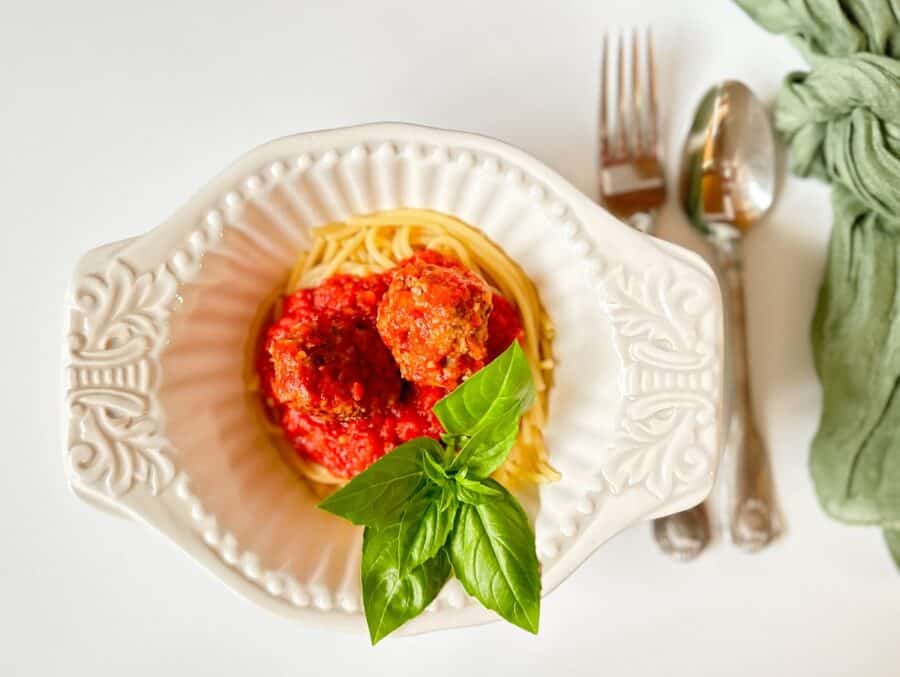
(112,116)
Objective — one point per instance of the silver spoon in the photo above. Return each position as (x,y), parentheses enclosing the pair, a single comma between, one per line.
(727,186)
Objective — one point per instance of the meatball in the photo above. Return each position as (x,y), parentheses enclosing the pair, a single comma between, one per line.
(434,319)
(330,366)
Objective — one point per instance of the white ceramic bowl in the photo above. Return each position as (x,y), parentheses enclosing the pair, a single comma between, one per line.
(156,422)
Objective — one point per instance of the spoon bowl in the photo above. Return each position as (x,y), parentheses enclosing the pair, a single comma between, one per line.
(728,167)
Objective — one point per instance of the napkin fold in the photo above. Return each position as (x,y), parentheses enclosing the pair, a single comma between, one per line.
(842,123)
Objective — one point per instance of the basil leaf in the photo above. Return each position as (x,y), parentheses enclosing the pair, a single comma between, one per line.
(493,555)
(486,409)
(448,498)
(451,441)
(474,492)
(389,597)
(504,384)
(424,527)
(486,451)
(377,495)
(434,470)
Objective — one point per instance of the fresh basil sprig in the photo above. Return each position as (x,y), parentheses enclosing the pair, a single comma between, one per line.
(429,506)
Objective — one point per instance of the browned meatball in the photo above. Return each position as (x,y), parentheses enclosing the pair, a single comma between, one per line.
(331,367)
(434,318)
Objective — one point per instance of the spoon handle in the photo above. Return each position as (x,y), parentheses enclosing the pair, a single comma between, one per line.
(755,520)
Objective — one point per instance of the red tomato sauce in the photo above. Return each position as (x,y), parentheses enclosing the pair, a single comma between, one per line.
(354,366)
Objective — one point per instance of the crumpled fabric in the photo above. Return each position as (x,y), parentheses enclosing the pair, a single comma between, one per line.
(842,123)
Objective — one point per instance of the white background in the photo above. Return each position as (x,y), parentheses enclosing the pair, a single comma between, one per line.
(114,113)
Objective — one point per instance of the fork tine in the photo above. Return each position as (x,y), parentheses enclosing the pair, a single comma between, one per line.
(637,116)
(603,123)
(652,120)
(621,123)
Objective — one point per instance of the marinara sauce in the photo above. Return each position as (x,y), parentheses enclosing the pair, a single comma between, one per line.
(353,367)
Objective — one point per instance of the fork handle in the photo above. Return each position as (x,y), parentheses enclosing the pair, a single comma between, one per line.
(755,521)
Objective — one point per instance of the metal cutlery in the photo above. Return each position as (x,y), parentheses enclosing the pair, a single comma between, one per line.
(727,186)
(632,181)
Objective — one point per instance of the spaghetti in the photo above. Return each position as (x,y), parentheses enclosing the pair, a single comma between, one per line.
(373,244)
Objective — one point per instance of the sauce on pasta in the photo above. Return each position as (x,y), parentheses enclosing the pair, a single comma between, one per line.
(382,316)
(341,396)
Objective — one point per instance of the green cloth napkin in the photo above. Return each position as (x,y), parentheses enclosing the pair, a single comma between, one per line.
(842,122)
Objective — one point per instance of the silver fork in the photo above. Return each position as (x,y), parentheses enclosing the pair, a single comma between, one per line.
(633,187)
(632,182)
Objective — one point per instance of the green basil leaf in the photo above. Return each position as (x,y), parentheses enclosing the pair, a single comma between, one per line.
(389,597)
(424,527)
(486,410)
(487,449)
(474,492)
(448,498)
(504,384)
(493,555)
(377,495)
(434,471)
